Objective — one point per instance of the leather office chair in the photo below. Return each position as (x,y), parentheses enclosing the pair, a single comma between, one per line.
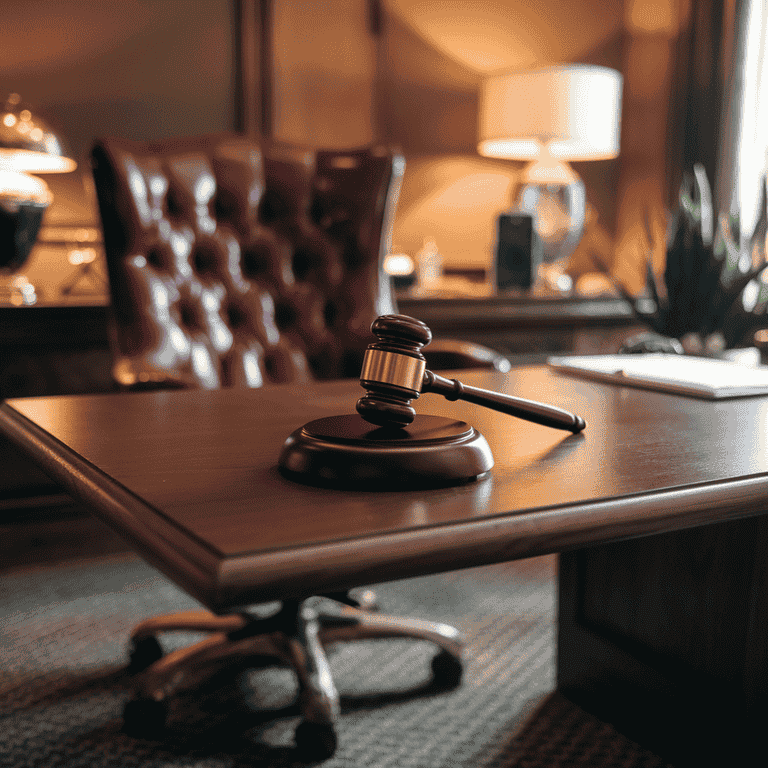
(235,262)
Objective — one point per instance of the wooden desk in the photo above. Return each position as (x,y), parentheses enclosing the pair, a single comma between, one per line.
(190,479)
(61,347)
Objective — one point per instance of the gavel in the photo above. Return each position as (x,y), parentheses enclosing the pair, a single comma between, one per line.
(395,372)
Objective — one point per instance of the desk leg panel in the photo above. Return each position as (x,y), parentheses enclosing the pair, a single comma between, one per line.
(667,638)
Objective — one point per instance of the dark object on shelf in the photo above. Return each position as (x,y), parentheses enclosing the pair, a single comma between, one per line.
(20,222)
(403,282)
(519,251)
(710,285)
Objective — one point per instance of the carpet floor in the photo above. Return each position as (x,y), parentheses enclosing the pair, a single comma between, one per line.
(63,684)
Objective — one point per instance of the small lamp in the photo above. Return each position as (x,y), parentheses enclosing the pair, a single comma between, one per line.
(27,145)
(550,116)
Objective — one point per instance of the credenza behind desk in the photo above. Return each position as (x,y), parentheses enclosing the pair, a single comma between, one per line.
(528,328)
(659,508)
(63,348)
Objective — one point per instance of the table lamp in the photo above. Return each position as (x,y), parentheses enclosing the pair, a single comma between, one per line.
(27,145)
(549,117)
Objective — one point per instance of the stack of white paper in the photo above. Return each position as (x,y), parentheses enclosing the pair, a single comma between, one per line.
(684,374)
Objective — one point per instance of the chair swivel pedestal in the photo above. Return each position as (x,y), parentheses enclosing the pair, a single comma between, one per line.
(296,636)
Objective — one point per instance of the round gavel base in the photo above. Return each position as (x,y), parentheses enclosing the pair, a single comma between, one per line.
(347,452)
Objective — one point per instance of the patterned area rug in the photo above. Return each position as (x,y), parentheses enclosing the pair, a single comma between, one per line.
(63,631)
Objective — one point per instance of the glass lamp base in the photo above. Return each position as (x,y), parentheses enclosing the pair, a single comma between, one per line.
(558,210)
(552,279)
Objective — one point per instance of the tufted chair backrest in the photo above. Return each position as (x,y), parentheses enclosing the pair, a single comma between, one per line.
(236,262)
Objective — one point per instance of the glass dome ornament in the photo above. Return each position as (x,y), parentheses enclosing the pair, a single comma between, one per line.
(27,145)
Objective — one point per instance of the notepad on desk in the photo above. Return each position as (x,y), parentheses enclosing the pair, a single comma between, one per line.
(682,374)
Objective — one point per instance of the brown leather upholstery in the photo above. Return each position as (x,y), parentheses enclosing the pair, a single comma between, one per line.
(234,262)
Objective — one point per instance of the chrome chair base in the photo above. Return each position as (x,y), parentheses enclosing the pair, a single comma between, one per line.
(295,636)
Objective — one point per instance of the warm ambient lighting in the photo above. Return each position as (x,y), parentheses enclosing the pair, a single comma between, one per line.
(401,269)
(572,110)
(550,116)
(398,264)
(34,162)
(18,185)
(27,145)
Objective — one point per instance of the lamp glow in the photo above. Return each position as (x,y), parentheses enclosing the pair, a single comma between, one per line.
(34,162)
(27,145)
(549,117)
(573,111)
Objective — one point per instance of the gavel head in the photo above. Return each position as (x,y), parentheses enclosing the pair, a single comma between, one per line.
(393,370)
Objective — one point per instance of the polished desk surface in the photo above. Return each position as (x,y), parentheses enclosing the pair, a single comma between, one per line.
(191,479)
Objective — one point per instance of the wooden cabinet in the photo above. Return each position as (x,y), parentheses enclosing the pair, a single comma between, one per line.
(47,351)
(54,350)
(665,638)
(525,328)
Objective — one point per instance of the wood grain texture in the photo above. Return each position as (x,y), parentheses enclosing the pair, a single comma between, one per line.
(665,637)
(512,312)
(191,477)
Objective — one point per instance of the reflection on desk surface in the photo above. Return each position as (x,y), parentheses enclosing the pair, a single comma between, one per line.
(66,268)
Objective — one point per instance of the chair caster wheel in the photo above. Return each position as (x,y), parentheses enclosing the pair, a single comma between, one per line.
(367,600)
(315,742)
(447,670)
(142,654)
(144,718)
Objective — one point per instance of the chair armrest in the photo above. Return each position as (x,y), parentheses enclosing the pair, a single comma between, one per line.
(452,354)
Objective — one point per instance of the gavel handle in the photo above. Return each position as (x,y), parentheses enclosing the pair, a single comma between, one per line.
(539,413)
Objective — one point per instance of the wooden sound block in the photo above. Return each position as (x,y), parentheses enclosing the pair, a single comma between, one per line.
(347,452)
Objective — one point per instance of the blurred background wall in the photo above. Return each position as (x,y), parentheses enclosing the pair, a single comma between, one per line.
(433,59)
(348,72)
(139,68)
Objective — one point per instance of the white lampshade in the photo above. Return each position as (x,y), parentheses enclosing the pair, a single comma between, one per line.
(34,162)
(21,187)
(574,111)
